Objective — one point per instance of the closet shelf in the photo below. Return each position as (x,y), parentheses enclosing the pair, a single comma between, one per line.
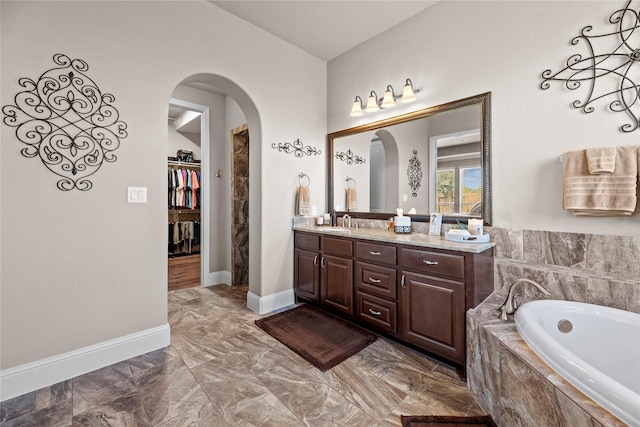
(184,164)
(182,211)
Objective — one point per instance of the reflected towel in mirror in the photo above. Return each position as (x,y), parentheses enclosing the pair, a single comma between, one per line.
(352,203)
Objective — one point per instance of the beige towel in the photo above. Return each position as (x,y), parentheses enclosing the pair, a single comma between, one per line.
(352,203)
(601,160)
(605,194)
(304,200)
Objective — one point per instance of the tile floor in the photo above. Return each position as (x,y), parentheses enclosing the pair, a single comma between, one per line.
(221,370)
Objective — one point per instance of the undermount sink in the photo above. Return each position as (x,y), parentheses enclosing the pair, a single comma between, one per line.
(343,229)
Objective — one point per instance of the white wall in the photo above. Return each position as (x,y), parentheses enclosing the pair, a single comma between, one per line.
(81,268)
(457,49)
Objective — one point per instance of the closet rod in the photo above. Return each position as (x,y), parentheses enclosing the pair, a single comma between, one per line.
(177,163)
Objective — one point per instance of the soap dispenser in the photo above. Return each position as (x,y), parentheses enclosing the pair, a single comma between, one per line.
(334,218)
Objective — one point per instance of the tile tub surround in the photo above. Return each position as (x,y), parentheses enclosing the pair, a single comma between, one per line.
(514,385)
(590,268)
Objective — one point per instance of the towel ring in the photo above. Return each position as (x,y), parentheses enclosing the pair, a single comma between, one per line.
(302,176)
(350,181)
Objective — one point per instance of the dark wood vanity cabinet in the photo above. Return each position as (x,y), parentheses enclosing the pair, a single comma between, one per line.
(411,293)
(323,271)
(306,266)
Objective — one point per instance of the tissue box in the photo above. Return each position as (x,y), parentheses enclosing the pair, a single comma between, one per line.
(402,224)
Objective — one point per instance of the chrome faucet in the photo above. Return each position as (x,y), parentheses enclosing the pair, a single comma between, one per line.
(346,220)
(510,306)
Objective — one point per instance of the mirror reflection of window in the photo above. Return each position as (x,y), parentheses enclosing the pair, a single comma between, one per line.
(470,188)
(445,187)
(459,173)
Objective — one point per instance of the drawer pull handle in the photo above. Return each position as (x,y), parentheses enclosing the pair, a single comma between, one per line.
(402,281)
(315,260)
(372,280)
(375,313)
(322,263)
(426,261)
(374,253)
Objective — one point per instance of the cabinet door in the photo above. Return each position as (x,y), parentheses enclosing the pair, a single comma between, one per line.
(306,273)
(337,283)
(432,315)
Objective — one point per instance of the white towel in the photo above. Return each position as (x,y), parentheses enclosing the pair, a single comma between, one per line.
(601,195)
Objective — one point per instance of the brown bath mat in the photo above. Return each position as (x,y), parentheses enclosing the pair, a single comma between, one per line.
(446,421)
(320,338)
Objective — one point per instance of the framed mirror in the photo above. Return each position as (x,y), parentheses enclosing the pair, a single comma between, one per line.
(433,160)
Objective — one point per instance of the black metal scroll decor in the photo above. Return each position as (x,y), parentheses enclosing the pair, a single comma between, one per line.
(350,157)
(297,148)
(414,173)
(621,65)
(66,121)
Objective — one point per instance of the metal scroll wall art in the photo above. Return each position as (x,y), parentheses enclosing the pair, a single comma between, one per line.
(297,148)
(350,157)
(414,173)
(64,119)
(617,68)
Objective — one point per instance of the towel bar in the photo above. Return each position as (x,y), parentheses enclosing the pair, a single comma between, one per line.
(301,176)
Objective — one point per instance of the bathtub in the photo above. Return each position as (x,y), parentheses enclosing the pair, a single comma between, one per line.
(597,350)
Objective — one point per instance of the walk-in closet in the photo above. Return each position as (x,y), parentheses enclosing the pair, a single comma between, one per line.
(184,199)
(183,233)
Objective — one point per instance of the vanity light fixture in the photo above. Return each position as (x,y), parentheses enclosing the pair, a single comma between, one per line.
(388,101)
(408,93)
(372,103)
(356,110)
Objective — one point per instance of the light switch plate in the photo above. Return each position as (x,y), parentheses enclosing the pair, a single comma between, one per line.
(136,194)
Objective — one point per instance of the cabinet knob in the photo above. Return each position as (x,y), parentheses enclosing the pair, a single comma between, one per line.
(426,261)
(375,313)
(372,280)
(374,253)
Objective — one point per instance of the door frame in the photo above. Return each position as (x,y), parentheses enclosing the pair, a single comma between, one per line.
(205,179)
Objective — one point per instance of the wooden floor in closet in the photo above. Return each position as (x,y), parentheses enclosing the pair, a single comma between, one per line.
(184,272)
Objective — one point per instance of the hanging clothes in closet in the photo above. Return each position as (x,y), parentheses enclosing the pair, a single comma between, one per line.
(184,187)
(183,198)
(184,238)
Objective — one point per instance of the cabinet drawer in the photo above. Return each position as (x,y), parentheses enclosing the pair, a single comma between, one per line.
(376,279)
(430,262)
(306,241)
(376,252)
(333,246)
(376,311)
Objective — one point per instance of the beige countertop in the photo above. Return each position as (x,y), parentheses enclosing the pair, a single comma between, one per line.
(415,239)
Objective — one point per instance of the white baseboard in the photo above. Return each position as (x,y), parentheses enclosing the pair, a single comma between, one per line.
(35,375)
(268,303)
(217,278)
